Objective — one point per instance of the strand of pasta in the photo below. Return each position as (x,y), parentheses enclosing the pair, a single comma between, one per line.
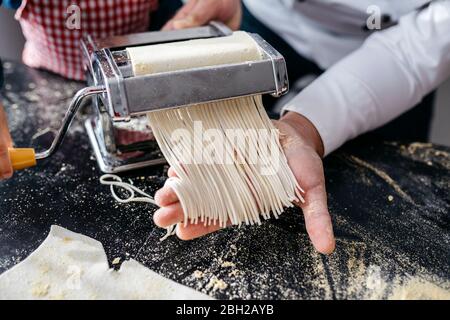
(114,181)
(222,193)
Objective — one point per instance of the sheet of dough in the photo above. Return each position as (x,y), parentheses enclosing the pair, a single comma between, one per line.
(72,266)
(237,48)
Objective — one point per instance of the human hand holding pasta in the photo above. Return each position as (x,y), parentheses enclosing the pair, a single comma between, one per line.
(303,148)
(197,13)
(6,170)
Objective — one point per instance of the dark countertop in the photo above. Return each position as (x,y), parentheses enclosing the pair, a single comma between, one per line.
(380,243)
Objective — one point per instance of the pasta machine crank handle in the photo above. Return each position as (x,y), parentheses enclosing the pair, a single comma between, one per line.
(22,158)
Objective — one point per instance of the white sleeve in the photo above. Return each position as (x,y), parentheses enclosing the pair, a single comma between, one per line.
(392,72)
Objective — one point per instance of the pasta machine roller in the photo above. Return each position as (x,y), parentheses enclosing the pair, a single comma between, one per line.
(118,131)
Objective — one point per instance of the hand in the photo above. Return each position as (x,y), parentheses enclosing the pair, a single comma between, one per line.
(6,170)
(303,148)
(197,13)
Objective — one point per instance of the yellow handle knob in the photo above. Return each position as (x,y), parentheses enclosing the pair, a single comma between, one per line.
(22,158)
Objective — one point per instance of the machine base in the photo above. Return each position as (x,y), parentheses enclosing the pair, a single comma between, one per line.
(115,163)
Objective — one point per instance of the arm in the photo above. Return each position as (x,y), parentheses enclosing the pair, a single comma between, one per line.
(388,75)
(6,170)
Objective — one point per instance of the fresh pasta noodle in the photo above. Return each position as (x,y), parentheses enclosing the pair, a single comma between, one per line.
(226,192)
(114,181)
(230,165)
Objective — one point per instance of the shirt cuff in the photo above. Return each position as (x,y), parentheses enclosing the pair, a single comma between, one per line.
(326,103)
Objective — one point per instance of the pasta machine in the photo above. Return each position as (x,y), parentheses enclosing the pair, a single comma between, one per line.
(118,130)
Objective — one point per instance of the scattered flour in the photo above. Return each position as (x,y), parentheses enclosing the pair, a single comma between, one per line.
(216,284)
(40,290)
(419,289)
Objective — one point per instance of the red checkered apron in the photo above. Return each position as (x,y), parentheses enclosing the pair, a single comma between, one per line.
(52,45)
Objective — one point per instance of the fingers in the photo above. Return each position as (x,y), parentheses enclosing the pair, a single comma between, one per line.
(173,214)
(193,231)
(309,173)
(171,173)
(5,137)
(308,170)
(182,13)
(6,170)
(318,220)
(306,164)
(165,196)
(195,13)
(171,211)
(186,9)
(169,215)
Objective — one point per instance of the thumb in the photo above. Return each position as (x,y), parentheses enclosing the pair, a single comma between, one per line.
(181,14)
(200,14)
(307,167)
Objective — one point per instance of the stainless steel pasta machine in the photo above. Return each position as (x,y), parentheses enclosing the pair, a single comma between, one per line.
(118,131)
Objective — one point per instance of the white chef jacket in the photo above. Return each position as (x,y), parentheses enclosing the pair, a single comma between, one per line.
(373,77)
